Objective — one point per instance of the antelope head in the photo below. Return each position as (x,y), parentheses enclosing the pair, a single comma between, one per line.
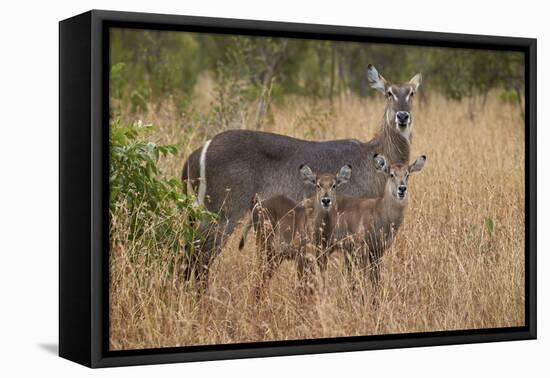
(399,98)
(326,185)
(397,175)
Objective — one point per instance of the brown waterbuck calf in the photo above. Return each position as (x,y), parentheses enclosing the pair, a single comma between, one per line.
(234,165)
(289,230)
(366,227)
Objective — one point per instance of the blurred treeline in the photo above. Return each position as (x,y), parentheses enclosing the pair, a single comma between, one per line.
(148,66)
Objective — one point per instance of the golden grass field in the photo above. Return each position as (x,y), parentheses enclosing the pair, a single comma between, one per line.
(445,270)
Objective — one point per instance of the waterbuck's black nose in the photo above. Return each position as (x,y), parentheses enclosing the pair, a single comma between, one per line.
(325,202)
(402,189)
(402,117)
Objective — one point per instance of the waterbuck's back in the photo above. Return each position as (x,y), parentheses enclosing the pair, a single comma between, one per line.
(353,214)
(286,218)
(238,164)
(372,220)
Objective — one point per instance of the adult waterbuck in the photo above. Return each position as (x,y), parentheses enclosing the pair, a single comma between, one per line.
(228,170)
(290,230)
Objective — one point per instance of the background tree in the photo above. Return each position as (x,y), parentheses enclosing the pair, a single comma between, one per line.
(156,65)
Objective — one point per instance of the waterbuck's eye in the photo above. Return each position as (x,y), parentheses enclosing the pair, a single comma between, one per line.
(389,94)
(392,175)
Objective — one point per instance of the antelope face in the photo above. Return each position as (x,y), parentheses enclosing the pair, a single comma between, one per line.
(326,191)
(399,98)
(326,185)
(397,175)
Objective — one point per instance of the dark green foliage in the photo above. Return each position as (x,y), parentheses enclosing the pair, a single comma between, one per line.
(158,63)
(161,64)
(134,174)
(463,73)
(153,205)
(116,82)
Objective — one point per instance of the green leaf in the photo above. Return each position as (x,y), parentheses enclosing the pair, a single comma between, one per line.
(490,225)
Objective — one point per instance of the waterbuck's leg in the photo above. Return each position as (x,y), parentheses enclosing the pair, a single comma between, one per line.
(197,260)
(198,263)
(351,260)
(375,274)
(268,265)
(322,259)
(306,260)
(323,253)
(375,262)
(348,263)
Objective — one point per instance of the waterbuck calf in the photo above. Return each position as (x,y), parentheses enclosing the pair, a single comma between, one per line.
(234,165)
(366,227)
(286,229)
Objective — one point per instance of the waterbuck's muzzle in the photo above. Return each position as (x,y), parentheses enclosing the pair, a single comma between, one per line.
(401,191)
(402,118)
(326,202)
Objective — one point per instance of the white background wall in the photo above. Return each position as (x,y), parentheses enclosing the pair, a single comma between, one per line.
(29,188)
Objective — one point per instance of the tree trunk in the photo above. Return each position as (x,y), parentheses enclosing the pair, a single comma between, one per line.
(263,102)
(332,69)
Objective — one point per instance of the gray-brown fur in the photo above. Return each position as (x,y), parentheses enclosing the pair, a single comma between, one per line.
(242,163)
(366,227)
(279,224)
(323,207)
(286,229)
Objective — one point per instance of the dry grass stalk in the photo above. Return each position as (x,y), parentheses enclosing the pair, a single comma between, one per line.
(445,271)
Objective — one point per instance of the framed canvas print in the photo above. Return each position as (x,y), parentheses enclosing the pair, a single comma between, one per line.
(234,188)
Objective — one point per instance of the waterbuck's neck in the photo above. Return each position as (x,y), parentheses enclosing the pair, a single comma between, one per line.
(394,145)
(321,220)
(321,216)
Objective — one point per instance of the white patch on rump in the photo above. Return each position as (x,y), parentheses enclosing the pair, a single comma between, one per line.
(202,177)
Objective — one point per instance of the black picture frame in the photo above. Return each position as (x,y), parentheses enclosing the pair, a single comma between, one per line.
(83,195)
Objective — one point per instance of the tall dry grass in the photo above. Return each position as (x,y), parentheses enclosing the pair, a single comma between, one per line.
(448,269)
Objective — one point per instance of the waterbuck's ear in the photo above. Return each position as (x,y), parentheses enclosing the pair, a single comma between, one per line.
(418,164)
(380,163)
(376,80)
(344,175)
(415,81)
(307,175)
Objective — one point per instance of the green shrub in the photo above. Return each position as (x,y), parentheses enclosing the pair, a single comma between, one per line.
(509,96)
(156,212)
